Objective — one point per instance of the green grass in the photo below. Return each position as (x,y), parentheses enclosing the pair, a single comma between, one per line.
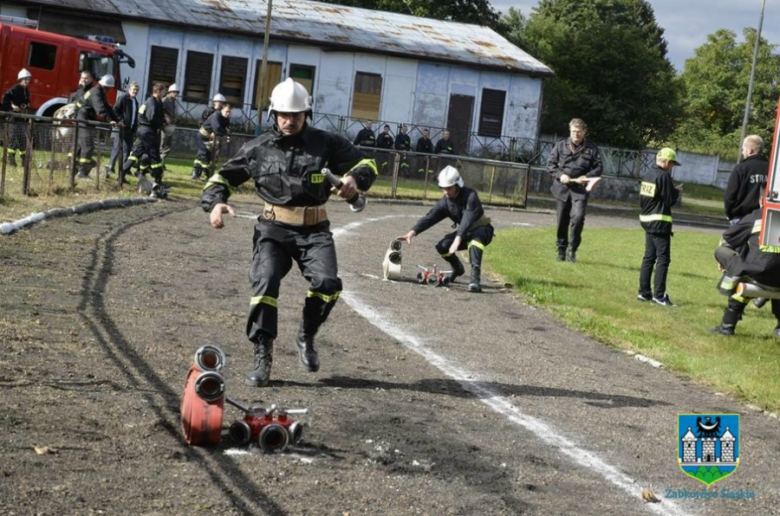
(706,192)
(597,296)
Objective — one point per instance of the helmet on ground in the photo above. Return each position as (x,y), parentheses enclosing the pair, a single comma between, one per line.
(107,81)
(23,74)
(219,98)
(173,88)
(449,176)
(290,97)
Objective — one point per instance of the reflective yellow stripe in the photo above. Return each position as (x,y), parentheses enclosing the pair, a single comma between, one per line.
(87,95)
(83,160)
(200,163)
(370,163)
(324,297)
(739,298)
(757,226)
(446,255)
(728,285)
(132,158)
(157,165)
(651,218)
(769,248)
(476,244)
(266,300)
(217,179)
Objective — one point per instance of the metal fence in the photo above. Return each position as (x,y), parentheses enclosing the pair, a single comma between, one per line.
(38,154)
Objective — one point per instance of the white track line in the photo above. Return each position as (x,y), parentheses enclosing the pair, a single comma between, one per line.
(501,404)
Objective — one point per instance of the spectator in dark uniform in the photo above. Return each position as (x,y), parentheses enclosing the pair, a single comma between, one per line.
(208,140)
(16,100)
(384,141)
(170,114)
(445,145)
(403,144)
(365,137)
(126,109)
(747,181)
(95,107)
(424,145)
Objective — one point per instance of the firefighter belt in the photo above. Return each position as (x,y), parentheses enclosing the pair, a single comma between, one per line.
(480,222)
(295,215)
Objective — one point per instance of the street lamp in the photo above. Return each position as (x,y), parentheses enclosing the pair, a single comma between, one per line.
(750,84)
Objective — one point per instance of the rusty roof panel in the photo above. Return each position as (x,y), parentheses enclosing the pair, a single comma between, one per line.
(317,22)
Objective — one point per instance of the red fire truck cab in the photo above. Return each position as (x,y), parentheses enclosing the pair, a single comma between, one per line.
(55,62)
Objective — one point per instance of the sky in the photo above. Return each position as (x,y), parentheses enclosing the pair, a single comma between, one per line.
(687,23)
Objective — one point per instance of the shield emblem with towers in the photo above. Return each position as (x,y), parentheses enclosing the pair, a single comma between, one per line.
(708,445)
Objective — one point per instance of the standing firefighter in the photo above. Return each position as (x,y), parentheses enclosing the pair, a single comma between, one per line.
(16,100)
(95,107)
(169,128)
(570,159)
(657,195)
(218,124)
(461,205)
(286,166)
(150,122)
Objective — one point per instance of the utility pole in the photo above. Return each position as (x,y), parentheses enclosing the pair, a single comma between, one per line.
(264,64)
(750,84)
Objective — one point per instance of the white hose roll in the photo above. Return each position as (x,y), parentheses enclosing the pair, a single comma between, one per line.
(751,290)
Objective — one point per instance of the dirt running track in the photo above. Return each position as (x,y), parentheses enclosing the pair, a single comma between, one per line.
(428,401)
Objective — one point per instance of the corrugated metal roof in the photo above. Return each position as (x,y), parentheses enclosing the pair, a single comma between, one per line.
(327,24)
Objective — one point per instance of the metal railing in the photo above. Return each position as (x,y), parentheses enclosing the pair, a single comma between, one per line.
(38,155)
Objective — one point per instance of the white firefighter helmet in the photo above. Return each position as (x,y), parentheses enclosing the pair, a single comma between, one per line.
(449,176)
(173,88)
(290,97)
(107,81)
(23,74)
(219,98)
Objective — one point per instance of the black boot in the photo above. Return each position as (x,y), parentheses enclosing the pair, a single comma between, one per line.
(309,357)
(572,256)
(474,284)
(457,267)
(561,254)
(730,319)
(264,351)
(759,302)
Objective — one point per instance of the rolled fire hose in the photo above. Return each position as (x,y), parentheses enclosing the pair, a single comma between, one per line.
(391,266)
(751,290)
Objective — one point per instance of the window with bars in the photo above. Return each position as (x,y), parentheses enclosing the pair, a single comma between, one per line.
(303,75)
(367,97)
(162,66)
(262,92)
(233,79)
(42,56)
(197,76)
(491,113)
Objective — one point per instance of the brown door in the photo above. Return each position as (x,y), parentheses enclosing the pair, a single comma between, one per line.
(461,113)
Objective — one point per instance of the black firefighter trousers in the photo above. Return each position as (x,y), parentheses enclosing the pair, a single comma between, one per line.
(658,255)
(275,247)
(147,142)
(475,241)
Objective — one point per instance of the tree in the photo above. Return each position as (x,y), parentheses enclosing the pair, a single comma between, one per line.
(716,80)
(609,57)
(478,12)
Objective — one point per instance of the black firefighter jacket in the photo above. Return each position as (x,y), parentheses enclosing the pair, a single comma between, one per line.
(287,170)
(657,195)
(151,114)
(574,161)
(366,138)
(464,210)
(95,106)
(760,263)
(18,95)
(746,184)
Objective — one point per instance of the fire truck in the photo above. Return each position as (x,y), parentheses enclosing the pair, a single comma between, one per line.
(54,61)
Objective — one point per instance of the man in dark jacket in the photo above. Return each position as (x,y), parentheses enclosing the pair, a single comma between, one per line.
(95,107)
(126,109)
(572,158)
(403,144)
(208,141)
(657,195)
(747,181)
(171,115)
(86,81)
(16,100)
(286,165)
(365,137)
(475,232)
(754,264)
(384,141)
(445,145)
(147,141)
(425,146)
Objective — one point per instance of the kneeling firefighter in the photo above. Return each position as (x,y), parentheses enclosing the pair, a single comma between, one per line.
(756,264)
(286,165)
(474,230)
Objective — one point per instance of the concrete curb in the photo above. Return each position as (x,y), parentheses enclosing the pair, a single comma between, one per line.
(11,227)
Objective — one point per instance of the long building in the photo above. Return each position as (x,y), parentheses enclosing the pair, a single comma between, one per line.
(357,63)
